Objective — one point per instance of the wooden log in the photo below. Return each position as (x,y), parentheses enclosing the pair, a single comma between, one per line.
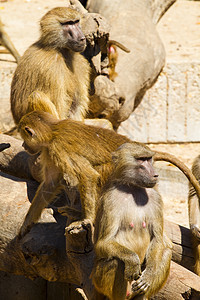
(181,284)
(42,252)
(181,238)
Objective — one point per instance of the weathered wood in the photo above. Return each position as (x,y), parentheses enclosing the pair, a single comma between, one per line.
(182,244)
(42,252)
(181,284)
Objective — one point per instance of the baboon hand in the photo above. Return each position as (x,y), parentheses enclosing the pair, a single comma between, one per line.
(141,285)
(82,227)
(132,269)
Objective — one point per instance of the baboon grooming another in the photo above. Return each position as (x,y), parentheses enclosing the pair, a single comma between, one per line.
(130,245)
(52,75)
(80,153)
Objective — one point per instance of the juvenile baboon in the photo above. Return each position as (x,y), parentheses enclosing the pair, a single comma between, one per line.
(130,246)
(73,154)
(194,214)
(52,75)
(113,57)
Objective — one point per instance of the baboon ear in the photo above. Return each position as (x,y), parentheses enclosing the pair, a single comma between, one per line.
(30,131)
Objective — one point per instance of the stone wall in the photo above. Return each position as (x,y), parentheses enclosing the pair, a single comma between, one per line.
(170,110)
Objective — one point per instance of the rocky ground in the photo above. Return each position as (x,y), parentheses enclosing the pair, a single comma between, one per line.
(180,31)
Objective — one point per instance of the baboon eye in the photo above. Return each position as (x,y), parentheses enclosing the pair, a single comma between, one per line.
(69,22)
(121,100)
(144,158)
(30,131)
(141,158)
(102,116)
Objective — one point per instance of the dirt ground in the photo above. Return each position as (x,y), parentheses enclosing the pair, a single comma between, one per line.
(179,29)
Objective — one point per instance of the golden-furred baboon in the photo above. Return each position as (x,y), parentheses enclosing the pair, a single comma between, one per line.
(130,246)
(73,154)
(52,75)
(113,57)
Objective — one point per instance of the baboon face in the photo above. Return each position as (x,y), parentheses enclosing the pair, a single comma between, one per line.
(75,39)
(60,28)
(147,176)
(30,144)
(133,163)
(35,130)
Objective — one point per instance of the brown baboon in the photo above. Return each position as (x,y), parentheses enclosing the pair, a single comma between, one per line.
(73,154)
(194,214)
(113,57)
(130,245)
(52,75)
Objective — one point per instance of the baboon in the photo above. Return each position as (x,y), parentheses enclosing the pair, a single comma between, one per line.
(193,199)
(130,245)
(113,57)
(72,153)
(194,214)
(52,75)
